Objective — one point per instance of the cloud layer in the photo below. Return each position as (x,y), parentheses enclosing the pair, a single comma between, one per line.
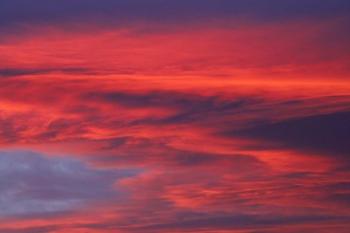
(33,185)
(212,116)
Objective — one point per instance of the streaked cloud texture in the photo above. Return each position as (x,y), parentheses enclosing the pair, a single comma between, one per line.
(161,116)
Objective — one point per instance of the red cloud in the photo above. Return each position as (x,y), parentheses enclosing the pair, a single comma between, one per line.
(172,103)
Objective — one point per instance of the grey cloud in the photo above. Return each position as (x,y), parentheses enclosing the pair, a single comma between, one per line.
(31,184)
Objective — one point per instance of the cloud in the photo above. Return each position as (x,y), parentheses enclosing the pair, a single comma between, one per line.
(194,222)
(31,184)
(45,229)
(324,134)
(188,108)
(153,84)
(237,222)
(23,72)
(125,11)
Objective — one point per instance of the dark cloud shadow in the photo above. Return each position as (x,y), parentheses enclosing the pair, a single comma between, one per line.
(325,134)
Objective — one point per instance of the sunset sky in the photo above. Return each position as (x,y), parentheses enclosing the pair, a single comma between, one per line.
(174,116)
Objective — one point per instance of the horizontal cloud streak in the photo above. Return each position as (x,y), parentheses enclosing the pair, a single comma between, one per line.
(23,72)
(322,133)
(208,116)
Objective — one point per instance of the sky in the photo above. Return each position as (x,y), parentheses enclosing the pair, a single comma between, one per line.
(187,116)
